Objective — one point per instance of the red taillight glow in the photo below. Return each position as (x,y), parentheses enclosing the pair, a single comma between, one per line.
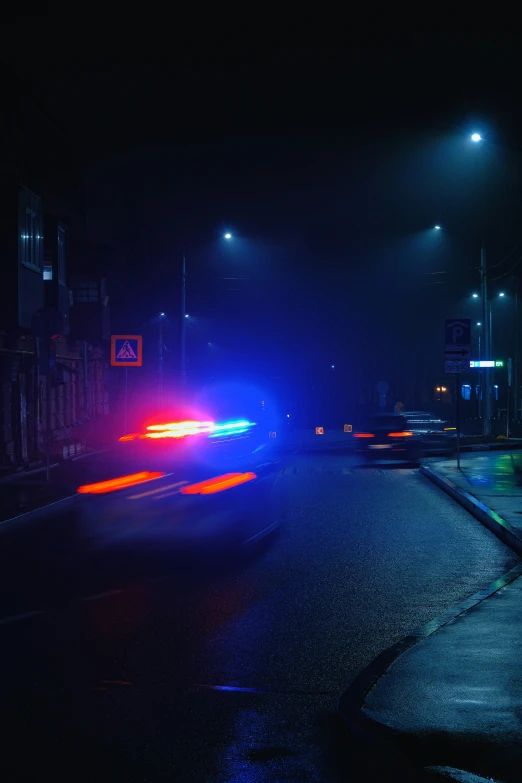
(171,429)
(400,434)
(101,487)
(218,484)
(364,435)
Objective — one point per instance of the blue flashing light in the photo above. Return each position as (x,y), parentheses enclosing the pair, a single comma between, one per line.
(231,428)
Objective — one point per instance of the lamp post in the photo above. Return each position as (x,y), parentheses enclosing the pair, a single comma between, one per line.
(184,316)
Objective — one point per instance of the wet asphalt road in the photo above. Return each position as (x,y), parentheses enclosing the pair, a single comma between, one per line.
(167,669)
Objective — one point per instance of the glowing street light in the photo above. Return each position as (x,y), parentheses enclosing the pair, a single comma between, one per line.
(228,236)
(476,137)
(475,296)
(502,293)
(437,228)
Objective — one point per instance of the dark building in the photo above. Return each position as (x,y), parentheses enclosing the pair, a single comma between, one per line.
(41,218)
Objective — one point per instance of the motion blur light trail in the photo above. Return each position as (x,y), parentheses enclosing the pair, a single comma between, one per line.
(180,429)
(218,484)
(122,482)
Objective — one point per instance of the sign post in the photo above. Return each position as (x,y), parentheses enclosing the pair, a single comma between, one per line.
(382,388)
(126,351)
(509,379)
(457,339)
(457,416)
(457,352)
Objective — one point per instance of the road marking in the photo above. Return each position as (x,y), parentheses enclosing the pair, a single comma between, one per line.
(229,688)
(24,616)
(98,596)
(174,491)
(153,491)
(264,532)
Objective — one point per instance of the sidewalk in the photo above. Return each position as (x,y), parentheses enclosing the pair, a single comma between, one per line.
(489,487)
(450,694)
(26,494)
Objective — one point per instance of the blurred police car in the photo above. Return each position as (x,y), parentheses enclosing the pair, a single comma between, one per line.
(186,482)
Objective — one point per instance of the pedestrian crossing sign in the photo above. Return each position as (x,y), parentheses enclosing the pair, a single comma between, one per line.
(319,430)
(126,350)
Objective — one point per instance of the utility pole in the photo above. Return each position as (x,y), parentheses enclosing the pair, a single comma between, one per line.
(183,332)
(515,355)
(160,357)
(487,341)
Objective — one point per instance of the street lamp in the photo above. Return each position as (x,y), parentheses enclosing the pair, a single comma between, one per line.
(475,296)
(476,137)
(184,316)
(160,320)
(437,228)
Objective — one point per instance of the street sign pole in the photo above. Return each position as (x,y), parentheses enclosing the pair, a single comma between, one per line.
(126,351)
(125,402)
(507,413)
(183,329)
(458,392)
(487,342)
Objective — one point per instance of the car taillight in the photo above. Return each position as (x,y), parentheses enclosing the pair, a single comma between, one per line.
(218,484)
(122,482)
(364,435)
(400,434)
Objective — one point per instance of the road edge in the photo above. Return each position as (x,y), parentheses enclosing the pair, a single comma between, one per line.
(42,511)
(402,748)
(489,518)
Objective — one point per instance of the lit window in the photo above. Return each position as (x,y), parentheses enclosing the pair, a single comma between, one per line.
(30,223)
(47,272)
(478,392)
(466,391)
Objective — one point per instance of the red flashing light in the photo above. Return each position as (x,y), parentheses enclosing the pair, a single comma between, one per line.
(172,429)
(101,487)
(218,484)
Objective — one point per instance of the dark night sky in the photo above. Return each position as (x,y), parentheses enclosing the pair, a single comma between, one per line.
(330,166)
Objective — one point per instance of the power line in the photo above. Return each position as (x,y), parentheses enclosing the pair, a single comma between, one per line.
(506,257)
(509,270)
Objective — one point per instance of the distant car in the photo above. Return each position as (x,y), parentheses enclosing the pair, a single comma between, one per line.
(186,484)
(407,437)
(436,436)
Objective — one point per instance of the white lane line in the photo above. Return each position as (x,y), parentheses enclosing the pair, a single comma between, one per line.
(15,617)
(157,490)
(264,532)
(98,596)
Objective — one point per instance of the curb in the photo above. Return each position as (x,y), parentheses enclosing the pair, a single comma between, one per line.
(21,474)
(401,746)
(501,446)
(489,518)
(38,513)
